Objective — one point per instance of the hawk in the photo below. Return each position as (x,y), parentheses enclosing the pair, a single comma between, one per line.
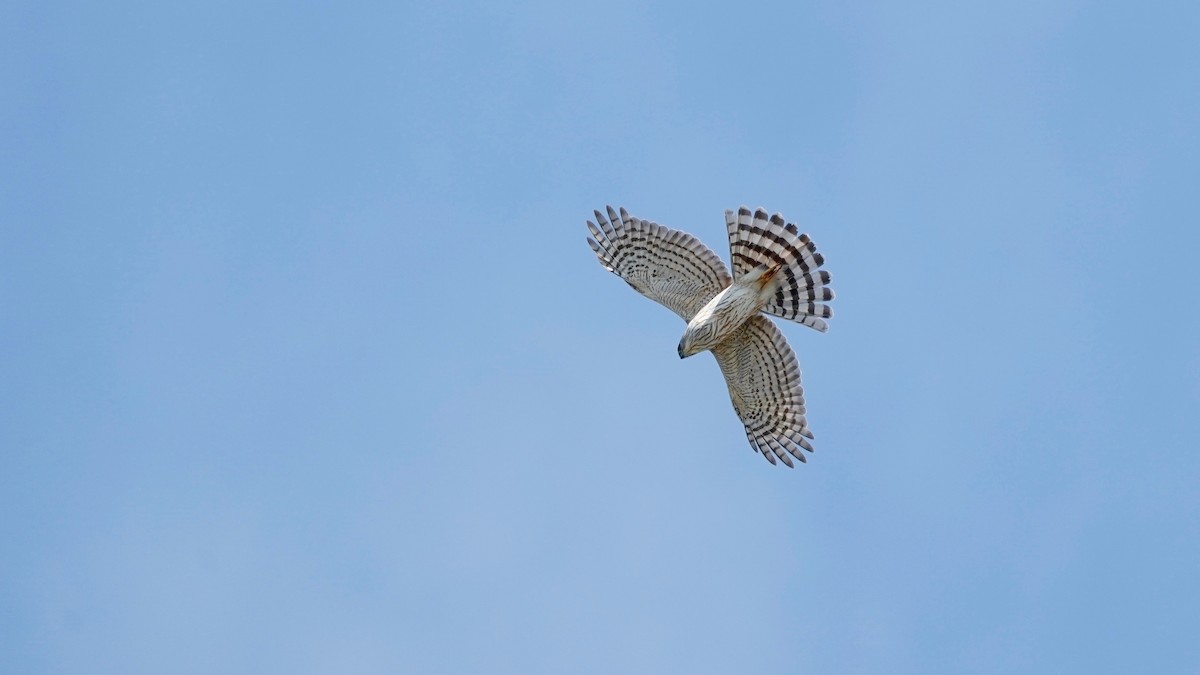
(776,270)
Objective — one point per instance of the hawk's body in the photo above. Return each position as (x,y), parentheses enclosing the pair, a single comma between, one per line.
(775,270)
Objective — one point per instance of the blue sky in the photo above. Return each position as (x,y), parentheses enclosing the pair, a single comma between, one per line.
(309,369)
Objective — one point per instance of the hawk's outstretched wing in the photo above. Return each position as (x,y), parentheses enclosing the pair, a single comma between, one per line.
(764,383)
(668,266)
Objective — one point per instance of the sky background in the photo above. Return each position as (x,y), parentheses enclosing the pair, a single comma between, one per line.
(307,367)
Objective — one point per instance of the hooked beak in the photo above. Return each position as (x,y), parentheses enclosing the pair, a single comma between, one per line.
(682,353)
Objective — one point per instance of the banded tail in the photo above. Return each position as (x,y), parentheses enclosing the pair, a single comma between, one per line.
(801,287)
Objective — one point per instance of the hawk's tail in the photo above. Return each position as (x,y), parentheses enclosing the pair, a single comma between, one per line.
(801,287)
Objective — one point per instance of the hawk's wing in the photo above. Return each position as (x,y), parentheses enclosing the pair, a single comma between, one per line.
(668,266)
(764,383)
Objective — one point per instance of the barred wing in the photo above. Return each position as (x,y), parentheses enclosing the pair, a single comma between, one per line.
(756,240)
(764,384)
(668,266)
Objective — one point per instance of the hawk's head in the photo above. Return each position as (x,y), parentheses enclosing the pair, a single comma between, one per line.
(695,340)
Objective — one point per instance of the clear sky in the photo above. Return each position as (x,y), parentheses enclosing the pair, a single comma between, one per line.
(307,367)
